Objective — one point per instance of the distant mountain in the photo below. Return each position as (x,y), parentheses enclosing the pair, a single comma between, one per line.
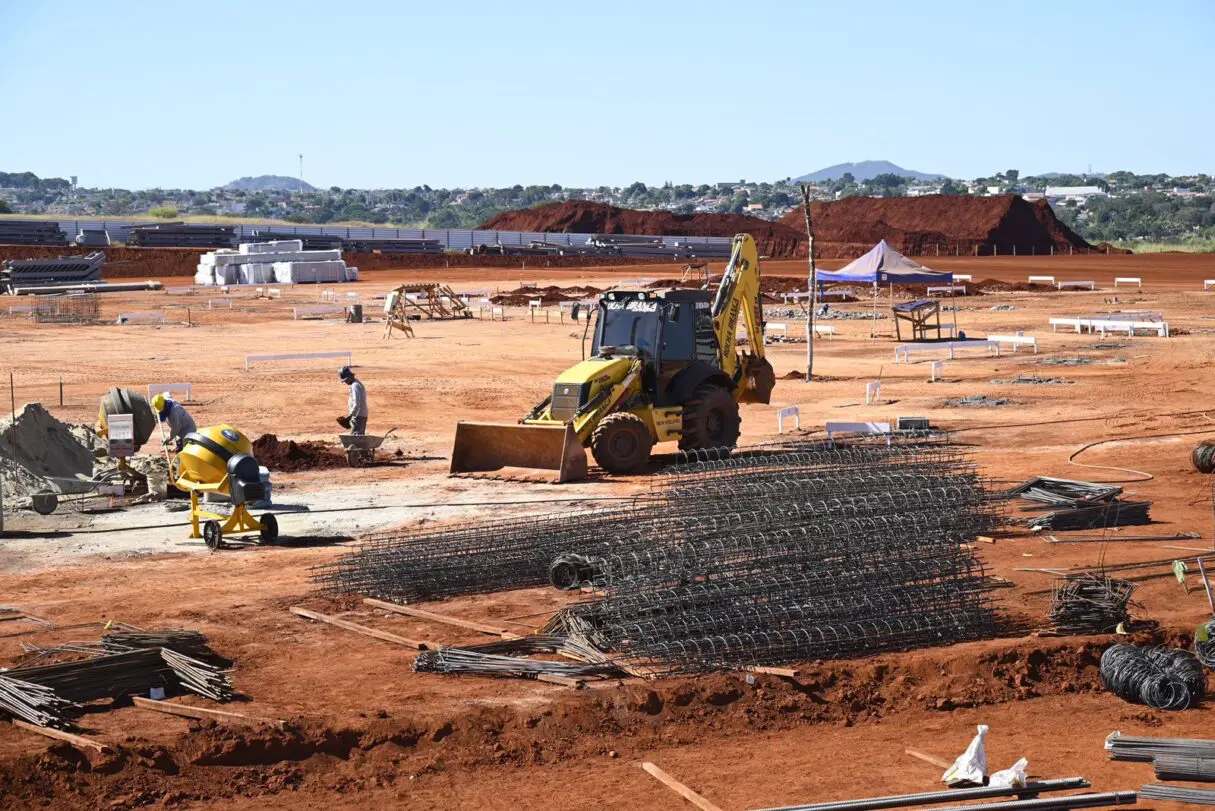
(864,171)
(269,183)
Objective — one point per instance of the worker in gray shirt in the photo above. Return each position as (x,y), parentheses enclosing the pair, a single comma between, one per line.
(355,420)
(178,420)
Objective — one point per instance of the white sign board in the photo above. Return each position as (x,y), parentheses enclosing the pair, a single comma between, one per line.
(120,432)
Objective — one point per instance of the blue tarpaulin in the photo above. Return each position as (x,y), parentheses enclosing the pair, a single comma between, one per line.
(884,265)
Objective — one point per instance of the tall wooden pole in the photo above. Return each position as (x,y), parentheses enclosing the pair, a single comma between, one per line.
(813,287)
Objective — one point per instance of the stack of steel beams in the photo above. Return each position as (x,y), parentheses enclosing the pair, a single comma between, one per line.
(181,235)
(31,232)
(37,272)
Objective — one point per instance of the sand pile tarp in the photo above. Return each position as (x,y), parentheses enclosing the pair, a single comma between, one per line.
(35,446)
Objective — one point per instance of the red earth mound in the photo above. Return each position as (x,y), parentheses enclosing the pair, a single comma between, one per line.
(585,217)
(938,225)
(289,456)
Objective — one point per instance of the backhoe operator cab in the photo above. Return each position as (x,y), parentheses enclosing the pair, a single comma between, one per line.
(664,366)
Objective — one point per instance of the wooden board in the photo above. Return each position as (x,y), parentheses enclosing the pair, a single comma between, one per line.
(60,735)
(375,633)
(410,611)
(927,758)
(679,788)
(204,713)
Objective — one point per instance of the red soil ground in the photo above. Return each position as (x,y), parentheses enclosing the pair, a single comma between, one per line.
(938,225)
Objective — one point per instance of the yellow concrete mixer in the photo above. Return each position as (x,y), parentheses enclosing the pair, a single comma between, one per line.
(220,460)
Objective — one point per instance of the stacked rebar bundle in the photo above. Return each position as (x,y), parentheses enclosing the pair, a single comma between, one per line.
(1147,749)
(127,661)
(1177,794)
(799,551)
(505,658)
(1090,603)
(1083,505)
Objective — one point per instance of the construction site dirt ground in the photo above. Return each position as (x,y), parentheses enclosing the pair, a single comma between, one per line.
(365,731)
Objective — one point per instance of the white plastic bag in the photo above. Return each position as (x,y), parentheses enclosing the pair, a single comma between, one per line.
(1012,777)
(971,765)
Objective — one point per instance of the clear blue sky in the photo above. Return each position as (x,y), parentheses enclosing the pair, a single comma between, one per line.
(398,94)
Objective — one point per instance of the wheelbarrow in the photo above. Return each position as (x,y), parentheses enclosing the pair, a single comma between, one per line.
(360,448)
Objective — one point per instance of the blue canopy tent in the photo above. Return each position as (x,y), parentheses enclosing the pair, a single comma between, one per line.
(884,265)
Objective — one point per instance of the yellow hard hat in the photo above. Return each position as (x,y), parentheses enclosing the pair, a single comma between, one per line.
(158,403)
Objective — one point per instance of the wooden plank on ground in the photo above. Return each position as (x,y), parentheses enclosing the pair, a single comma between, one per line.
(564,681)
(679,788)
(410,611)
(927,758)
(783,672)
(60,735)
(384,636)
(204,713)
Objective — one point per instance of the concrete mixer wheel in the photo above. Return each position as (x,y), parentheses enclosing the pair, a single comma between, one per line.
(269,531)
(213,536)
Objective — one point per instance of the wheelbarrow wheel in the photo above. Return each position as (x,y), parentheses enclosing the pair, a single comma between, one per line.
(213,536)
(269,531)
(44,503)
(354,457)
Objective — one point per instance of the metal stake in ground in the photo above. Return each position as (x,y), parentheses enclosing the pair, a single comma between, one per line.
(813,286)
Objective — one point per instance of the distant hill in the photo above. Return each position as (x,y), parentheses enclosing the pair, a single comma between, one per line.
(269,183)
(864,171)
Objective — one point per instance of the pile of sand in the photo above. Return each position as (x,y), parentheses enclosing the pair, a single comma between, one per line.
(35,446)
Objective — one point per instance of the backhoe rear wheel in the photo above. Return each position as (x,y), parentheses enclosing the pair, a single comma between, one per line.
(621,443)
(710,420)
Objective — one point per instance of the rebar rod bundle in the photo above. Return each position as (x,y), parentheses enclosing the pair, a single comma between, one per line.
(505,658)
(1185,767)
(126,661)
(939,797)
(788,552)
(1090,603)
(1145,749)
(1177,794)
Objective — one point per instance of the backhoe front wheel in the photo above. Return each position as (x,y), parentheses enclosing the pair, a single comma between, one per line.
(710,420)
(621,443)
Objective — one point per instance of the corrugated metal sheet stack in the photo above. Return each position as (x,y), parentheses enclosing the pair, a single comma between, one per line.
(182,235)
(64,270)
(31,232)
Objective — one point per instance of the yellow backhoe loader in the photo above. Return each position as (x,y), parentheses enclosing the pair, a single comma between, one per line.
(664,367)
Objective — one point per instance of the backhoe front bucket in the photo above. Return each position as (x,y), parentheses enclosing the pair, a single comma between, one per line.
(760,379)
(488,446)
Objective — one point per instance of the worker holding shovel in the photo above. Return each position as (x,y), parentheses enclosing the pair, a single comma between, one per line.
(178,420)
(355,420)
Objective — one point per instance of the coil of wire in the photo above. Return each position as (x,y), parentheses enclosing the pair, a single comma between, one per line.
(1205,651)
(1203,456)
(1161,678)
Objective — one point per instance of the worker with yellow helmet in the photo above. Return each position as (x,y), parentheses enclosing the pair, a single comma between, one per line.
(179,421)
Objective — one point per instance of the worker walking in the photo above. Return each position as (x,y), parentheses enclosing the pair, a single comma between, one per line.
(355,420)
(177,418)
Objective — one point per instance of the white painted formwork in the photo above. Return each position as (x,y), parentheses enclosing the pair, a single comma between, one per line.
(222,258)
(209,276)
(276,246)
(310,272)
(205,275)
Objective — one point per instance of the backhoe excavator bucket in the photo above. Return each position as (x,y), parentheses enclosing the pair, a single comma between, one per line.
(759,380)
(489,446)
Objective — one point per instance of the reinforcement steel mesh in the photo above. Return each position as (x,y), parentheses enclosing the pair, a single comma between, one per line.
(784,553)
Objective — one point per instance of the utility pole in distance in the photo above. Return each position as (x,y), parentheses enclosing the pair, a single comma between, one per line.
(813,287)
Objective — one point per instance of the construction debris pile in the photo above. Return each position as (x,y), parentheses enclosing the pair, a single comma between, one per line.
(130,662)
(18,274)
(182,235)
(283,262)
(817,551)
(1083,505)
(31,232)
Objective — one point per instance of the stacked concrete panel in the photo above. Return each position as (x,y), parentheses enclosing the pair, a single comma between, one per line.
(283,261)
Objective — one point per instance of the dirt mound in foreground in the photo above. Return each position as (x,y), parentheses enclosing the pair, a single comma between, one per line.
(289,456)
(938,225)
(584,217)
